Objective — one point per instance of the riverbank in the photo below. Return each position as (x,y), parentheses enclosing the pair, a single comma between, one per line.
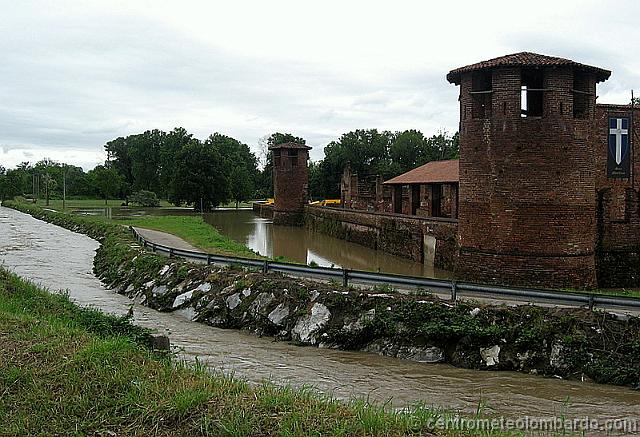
(193,230)
(67,369)
(569,343)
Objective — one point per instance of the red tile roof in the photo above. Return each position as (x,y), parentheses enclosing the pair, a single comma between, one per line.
(289,146)
(526,59)
(431,172)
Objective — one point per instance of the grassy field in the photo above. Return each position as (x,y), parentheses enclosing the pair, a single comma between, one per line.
(88,203)
(71,371)
(193,230)
(99,203)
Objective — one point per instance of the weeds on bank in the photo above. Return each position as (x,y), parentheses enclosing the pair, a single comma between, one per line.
(64,369)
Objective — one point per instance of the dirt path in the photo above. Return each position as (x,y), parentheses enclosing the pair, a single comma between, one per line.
(166,239)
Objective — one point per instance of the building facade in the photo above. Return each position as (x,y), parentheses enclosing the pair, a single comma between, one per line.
(536,204)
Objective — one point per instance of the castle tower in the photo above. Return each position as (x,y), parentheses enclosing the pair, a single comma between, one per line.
(527,200)
(290,182)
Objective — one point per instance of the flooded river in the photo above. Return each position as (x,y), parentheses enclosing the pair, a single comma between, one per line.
(295,243)
(60,259)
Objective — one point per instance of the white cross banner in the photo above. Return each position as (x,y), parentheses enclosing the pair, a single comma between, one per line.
(618,162)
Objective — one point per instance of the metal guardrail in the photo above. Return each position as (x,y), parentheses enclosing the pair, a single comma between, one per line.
(453,288)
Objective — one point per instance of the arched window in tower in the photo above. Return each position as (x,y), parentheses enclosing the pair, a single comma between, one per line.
(532,92)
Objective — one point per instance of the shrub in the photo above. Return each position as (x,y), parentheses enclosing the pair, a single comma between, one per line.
(148,199)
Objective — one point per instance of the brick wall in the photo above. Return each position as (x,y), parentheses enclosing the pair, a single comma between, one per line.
(290,185)
(393,233)
(527,205)
(618,255)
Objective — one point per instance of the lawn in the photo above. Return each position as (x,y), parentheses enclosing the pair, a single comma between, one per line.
(193,230)
(65,370)
(87,203)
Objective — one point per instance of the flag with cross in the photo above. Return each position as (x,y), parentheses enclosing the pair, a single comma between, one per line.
(618,161)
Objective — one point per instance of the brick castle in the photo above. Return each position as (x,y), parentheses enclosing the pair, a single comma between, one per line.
(544,191)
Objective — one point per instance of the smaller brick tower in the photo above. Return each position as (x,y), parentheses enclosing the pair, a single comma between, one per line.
(290,182)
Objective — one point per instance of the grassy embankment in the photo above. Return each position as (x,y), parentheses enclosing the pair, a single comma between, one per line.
(194,230)
(68,370)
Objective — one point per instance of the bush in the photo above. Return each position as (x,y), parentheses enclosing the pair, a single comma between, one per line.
(145,198)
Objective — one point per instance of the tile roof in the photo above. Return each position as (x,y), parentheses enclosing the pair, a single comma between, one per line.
(526,59)
(431,172)
(289,145)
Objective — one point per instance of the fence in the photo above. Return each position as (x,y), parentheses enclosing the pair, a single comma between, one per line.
(452,288)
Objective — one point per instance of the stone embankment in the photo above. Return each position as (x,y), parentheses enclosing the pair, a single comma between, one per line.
(568,343)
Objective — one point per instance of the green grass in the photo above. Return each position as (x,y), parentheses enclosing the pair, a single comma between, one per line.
(194,230)
(86,203)
(70,371)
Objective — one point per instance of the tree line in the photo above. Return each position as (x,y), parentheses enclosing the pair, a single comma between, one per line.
(177,167)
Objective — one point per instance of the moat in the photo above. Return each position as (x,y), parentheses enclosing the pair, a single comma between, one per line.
(294,243)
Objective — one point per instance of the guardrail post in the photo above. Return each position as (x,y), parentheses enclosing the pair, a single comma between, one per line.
(454,291)
(265,267)
(170,252)
(592,302)
(345,278)
(153,247)
(144,243)
(208,259)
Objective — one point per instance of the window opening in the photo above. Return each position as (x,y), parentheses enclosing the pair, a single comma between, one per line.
(481,89)
(532,89)
(581,96)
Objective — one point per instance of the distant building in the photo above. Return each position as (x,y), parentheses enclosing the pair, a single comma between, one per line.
(430,190)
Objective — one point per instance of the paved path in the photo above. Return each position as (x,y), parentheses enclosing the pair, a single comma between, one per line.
(166,239)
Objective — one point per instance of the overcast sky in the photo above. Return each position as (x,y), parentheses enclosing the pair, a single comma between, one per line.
(75,74)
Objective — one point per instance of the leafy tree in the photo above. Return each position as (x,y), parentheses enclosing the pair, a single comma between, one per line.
(107,181)
(148,199)
(404,150)
(13,183)
(200,177)
(171,145)
(3,182)
(239,163)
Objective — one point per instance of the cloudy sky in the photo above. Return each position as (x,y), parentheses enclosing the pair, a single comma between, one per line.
(75,74)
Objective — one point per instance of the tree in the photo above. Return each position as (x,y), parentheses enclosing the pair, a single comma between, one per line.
(200,177)
(404,150)
(3,183)
(241,166)
(107,181)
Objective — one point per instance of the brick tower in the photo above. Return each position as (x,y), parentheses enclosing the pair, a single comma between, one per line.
(527,205)
(290,182)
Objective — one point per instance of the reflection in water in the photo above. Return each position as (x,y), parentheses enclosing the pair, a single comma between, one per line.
(297,244)
(302,245)
(60,259)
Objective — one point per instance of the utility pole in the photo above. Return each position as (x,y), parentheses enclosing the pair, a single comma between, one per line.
(64,186)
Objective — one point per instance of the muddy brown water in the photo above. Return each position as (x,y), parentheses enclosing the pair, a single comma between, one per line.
(295,243)
(60,259)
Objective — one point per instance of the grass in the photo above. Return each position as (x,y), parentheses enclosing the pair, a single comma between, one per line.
(99,203)
(87,203)
(194,230)
(66,370)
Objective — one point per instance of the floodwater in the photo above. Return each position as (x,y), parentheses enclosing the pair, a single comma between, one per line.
(60,259)
(297,244)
